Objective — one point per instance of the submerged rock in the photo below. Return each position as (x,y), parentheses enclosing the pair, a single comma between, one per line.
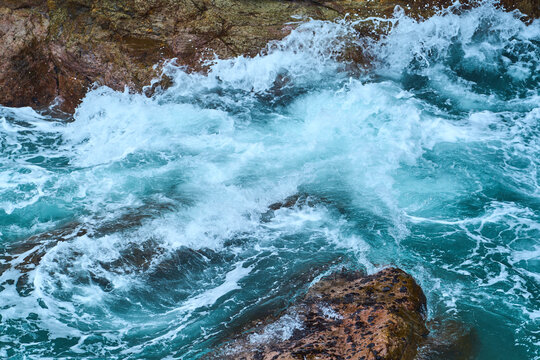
(347,315)
(449,340)
(59,48)
(26,254)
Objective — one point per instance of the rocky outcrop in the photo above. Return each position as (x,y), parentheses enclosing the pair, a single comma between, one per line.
(346,315)
(59,48)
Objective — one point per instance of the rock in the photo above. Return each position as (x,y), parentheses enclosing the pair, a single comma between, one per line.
(24,255)
(60,48)
(346,315)
(289,202)
(531,8)
(297,200)
(450,340)
(27,73)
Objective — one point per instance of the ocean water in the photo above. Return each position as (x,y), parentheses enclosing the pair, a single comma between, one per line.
(147,227)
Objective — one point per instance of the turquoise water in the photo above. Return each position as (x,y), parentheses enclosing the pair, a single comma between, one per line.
(159,237)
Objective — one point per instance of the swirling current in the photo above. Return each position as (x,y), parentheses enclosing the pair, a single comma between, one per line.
(143,227)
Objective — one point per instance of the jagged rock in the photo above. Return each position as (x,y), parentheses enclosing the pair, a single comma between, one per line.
(344,316)
(59,48)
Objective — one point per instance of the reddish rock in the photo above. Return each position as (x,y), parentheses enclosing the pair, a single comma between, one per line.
(344,316)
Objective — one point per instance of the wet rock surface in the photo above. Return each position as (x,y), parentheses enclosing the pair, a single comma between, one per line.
(346,315)
(449,339)
(57,49)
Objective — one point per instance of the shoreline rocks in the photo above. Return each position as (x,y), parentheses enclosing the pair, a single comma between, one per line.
(57,49)
(346,315)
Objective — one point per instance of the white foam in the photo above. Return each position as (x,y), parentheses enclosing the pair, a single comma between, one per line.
(210,296)
(280,330)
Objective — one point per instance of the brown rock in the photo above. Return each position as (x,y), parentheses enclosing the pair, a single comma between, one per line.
(344,316)
(531,8)
(27,74)
(59,48)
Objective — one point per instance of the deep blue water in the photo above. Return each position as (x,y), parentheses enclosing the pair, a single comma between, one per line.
(160,239)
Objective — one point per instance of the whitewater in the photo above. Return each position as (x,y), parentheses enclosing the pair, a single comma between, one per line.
(146,226)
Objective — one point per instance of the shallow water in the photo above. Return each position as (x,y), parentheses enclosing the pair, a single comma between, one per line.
(163,234)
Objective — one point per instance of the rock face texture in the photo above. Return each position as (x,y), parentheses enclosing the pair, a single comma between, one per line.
(27,74)
(59,48)
(344,316)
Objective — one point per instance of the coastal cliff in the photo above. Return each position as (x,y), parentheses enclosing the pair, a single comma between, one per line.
(57,49)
